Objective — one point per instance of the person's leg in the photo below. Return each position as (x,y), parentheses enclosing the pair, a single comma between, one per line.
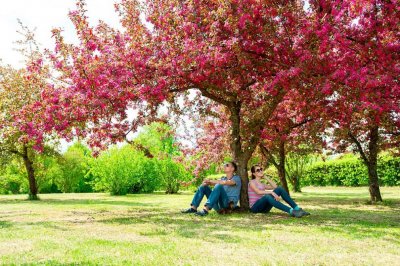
(218,198)
(223,201)
(199,195)
(261,205)
(271,201)
(280,191)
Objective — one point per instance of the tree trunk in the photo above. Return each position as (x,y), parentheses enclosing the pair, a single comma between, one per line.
(374,190)
(243,173)
(31,174)
(239,156)
(295,183)
(281,166)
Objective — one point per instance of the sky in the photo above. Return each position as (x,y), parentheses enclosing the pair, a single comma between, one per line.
(44,15)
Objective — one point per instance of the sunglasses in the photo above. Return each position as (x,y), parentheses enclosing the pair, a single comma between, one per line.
(259,170)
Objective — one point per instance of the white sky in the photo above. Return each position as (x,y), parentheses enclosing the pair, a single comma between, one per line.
(45,15)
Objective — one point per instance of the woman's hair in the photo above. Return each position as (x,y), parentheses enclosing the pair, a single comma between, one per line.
(253,170)
(234,165)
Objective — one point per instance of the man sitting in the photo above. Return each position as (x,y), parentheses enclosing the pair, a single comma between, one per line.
(226,192)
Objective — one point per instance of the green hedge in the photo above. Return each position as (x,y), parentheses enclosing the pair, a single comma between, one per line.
(352,172)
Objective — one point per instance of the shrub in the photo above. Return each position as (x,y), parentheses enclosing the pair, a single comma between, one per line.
(13,179)
(74,165)
(171,173)
(123,170)
(47,171)
(351,171)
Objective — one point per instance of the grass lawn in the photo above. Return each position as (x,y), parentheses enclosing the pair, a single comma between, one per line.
(147,229)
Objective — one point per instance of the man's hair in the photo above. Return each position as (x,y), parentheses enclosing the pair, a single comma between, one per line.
(234,165)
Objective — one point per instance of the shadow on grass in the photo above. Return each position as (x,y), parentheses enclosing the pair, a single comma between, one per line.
(321,200)
(79,202)
(339,213)
(5,224)
(349,223)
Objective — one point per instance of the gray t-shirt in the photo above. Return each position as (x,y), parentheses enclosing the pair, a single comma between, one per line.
(233,192)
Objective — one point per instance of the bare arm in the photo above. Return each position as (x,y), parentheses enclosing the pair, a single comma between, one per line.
(271,182)
(222,182)
(259,191)
(264,192)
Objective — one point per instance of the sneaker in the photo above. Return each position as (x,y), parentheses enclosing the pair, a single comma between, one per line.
(297,213)
(190,210)
(304,212)
(201,213)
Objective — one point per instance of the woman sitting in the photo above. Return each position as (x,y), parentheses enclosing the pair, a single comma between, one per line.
(262,197)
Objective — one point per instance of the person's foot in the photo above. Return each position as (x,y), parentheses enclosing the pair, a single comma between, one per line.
(304,212)
(190,210)
(201,213)
(297,213)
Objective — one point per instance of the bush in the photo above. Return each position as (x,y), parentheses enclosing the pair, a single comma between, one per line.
(74,165)
(351,171)
(171,173)
(12,179)
(389,170)
(47,171)
(123,170)
(10,184)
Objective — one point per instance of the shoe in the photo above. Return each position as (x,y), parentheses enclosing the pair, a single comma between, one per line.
(202,213)
(297,213)
(304,212)
(190,210)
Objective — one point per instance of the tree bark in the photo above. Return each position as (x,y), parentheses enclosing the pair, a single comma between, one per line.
(239,156)
(295,183)
(31,174)
(243,173)
(372,163)
(281,166)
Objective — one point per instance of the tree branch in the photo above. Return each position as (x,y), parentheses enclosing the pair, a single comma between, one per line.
(301,123)
(360,149)
(215,98)
(268,154)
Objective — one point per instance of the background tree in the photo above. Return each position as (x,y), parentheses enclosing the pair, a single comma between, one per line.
(361,38)
(297,123)
(19,90)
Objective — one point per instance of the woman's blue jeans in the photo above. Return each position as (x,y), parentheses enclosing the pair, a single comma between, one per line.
(266,203)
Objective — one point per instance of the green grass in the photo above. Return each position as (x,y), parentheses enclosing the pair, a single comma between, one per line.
(147,229)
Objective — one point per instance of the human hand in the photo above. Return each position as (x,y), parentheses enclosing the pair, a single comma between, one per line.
(206,182)
(277,198)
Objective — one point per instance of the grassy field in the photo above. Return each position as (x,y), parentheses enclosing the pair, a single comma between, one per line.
(98,229)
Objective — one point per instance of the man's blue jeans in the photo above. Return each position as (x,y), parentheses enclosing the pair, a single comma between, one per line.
(266,203)
(216,198)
